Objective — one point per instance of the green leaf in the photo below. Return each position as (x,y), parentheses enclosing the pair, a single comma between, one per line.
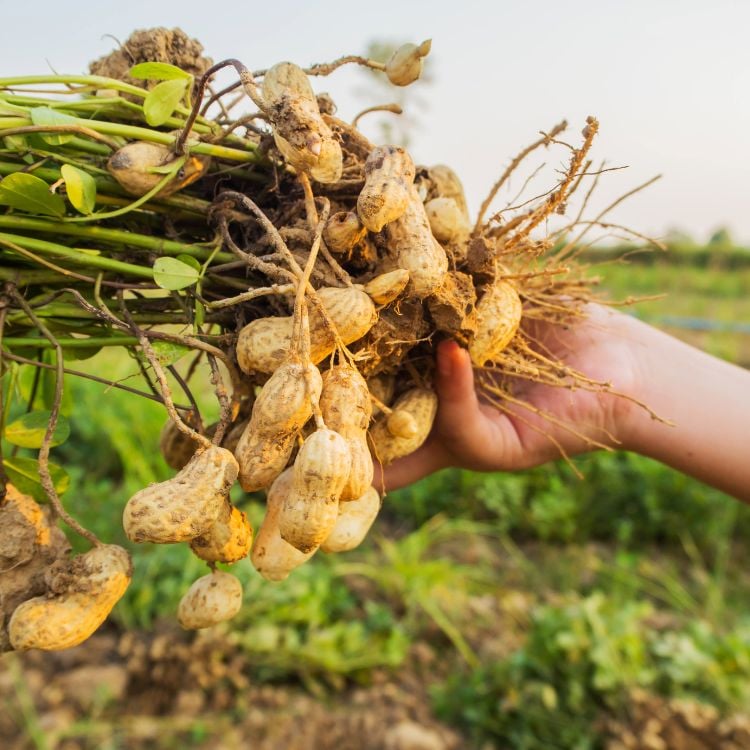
(28,193)
(47,116)
(28,431)
(16,142)
(162,100)
(167,352)
(158,71)
(24,474)
(80,187)
(190,260)
(173,274)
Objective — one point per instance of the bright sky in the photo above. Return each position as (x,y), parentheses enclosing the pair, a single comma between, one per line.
(668,79)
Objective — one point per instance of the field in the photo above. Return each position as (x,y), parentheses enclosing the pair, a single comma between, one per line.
(526,611)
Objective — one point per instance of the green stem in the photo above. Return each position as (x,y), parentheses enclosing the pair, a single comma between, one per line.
(113,236)
(20,341)
(79,257)
(136,133)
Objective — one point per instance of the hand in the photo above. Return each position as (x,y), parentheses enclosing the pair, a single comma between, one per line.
(473,434)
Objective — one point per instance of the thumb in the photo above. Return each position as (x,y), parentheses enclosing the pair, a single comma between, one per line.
(454,383)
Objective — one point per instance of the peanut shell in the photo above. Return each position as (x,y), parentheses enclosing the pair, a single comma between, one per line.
(211,599)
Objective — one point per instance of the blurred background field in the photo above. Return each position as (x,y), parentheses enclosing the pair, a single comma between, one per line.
(532,610)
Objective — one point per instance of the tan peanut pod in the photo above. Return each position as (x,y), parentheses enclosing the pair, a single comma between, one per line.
(32,513)
(301,135)
(410,240)
(212,599)
(421,404)
(185,506)
(354,521)
(310,509)
(389,174)
(443,182)
(93,584)
(228,540)
(130,166)
(499,314)
(280,411)
(343,231)
(347,408)
(272,557)
(401,423)
(386,287)
(381,387)
(264,344)
(406,63)
(447,221)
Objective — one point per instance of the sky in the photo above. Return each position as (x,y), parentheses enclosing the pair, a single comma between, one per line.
(669,81)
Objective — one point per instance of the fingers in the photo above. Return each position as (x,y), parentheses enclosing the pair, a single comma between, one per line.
(455,383)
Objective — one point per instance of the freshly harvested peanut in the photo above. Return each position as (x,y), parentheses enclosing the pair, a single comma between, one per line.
(272,557)
(418,403)
(303,137)
(416,250)
(443,182)
(346,408)
(211,599)
(131,166)
(310,509)
(265,343)
(343,231)
(447,221)
(228,540)
(354,521)
(185,506)
(280,410)
(388,286)
(405,65)
(389,175)
(402,424)
(91,585)
(499,314)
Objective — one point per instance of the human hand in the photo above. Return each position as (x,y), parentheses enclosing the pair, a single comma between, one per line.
(473,434)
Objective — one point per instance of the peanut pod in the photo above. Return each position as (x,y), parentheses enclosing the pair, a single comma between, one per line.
(185,506)
(354,521)
(211,599)
(386,287)
(93,583)
(346,408)
(272,557)
(321,470)
(406,63)
(131,166)
(301,135)
(343,231)
(411,242)
(228,540)
(418,403)
(264,344)
(499,314)
(447,222)
(280,411)
(389,174)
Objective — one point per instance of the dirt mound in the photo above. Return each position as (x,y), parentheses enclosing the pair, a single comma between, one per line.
(169,689)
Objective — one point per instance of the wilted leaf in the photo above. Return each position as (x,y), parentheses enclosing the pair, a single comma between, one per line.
(29,193)
(48,116)
(158,71)
(28,431)
(173,274)
(24,474)
(161,101)
(80,187)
